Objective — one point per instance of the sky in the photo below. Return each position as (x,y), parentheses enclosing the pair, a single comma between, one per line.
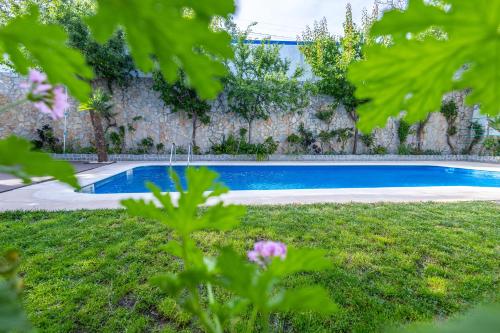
(285,19)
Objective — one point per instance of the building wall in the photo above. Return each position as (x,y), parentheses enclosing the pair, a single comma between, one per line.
(166,127)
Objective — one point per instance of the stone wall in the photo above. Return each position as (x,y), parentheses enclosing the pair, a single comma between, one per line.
(163,126)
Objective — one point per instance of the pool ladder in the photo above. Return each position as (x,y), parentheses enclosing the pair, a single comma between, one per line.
(190,154)
(173,154)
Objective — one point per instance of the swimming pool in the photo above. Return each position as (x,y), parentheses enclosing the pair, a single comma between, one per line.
(281,177)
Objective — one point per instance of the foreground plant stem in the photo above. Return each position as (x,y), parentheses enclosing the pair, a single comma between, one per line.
(251,321)
(202,314)
(211,301)
(264,319)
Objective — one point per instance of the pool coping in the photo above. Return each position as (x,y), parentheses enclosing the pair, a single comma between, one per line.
(52,195)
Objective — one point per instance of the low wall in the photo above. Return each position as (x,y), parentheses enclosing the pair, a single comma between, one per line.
(281,157)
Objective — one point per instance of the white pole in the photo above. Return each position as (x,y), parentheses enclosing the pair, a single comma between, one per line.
(65,132)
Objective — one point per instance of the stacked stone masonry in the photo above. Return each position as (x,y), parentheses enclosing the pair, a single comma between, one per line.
(163,126)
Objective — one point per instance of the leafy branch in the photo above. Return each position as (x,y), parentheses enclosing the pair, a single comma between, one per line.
(433,50)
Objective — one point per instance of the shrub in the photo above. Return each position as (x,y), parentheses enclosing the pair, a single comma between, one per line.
(306,137)
(87,150)
(234,146)
(46,140)
(145,146)
(477,134)
(293,139)
(380,150)
(492,145)
(368,140)
(227,146)
(326,115)
(403,131)
(160,147)
(343,135)
(405,150)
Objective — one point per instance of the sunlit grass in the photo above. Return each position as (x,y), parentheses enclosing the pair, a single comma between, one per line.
(391,264)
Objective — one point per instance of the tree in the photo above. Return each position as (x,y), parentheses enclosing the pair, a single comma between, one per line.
(110,62)
(181,97)
(259,82)
(449,110)
(98,106)
(420,131)
(329,58)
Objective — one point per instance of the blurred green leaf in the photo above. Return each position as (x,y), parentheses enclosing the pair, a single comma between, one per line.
(173,284)
(12,316)
(419,67)
(237,274)
(193,254)
(313,298)
(169,283)
(231,310)
(484,319)
(18,159)
(303,260)
(176,34)
(9,262)
(30,43)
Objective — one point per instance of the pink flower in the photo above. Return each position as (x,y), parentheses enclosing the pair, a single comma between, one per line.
(47,98)
(60,102)
(36,77)
(41,88)
(264,251)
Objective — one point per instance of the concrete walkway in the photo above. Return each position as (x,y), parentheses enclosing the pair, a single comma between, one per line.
(9,182)
(52,195)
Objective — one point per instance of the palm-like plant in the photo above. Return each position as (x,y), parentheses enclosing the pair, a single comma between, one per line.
(494,123)
(99,105)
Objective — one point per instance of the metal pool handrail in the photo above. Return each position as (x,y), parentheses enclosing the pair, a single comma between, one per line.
(189,154)
(172,153)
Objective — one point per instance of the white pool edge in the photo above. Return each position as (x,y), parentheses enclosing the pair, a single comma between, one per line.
(55,196)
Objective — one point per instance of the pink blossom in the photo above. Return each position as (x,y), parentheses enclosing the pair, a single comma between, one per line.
(47,98)
(42,107)
(41,88)
(60,102)
(264,251)
(36,77)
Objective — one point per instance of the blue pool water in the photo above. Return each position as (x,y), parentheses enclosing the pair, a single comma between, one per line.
(278,177)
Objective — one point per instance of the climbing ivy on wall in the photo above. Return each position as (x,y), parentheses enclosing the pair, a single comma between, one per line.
(180,97)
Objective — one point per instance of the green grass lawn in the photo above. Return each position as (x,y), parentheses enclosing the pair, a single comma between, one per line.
(88,271)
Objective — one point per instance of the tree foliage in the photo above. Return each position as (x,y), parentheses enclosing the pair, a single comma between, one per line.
(180,97)
(178,34)
(46,48)
(110,61)
(414,72)
(329,58)
(260,82)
